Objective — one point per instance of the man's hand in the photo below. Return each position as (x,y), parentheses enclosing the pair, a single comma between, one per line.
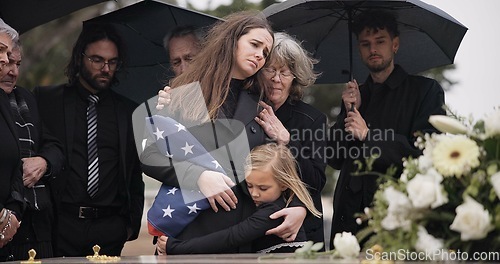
(33,170)
(288,230)
(351,95)
(217,187)
(356,125)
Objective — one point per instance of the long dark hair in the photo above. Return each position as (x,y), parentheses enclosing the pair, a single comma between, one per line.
(92,33)
(212,66)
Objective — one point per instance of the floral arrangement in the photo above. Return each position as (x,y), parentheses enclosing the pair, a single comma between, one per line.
(446,199)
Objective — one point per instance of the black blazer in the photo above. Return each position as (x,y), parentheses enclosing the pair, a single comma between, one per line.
(156,166)
(57,109)
(308,131)
(11,181)
(48,147)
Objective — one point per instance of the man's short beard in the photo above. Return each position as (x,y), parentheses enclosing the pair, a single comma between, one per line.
(87,76)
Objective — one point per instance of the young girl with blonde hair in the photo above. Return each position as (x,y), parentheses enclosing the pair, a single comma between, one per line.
(272,181)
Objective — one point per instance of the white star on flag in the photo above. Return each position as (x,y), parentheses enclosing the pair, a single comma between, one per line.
(193,209)
(217,165)
(168,211)
(159,133)
(187,149)
(168,155)
(180,127)
(172,191)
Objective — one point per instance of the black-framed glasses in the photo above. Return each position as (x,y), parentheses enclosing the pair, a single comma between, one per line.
(98,62)
(284,75)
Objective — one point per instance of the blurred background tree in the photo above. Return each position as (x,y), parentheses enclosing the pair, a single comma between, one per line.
(47,49)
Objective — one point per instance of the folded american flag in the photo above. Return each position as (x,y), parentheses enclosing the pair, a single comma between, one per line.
(173,209)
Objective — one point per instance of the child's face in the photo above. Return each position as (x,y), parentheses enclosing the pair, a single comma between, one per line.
(263,187)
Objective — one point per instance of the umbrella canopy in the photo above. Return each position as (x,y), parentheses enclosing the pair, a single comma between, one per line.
(143,26)
(24,15)
(429,37)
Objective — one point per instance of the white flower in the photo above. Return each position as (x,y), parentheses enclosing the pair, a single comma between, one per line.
(495,182)
(492,124)
(425,190)
(455,155)
(426,242)
(346,245)
(398,210)
(472,220)
(424,162)
(447,124)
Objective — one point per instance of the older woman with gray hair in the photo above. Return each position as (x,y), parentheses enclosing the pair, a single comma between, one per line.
(11,183)
(288,120)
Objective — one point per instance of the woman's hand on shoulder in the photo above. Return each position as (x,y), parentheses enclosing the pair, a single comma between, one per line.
(164,98)
(293,219)
(217,187)
(272,126)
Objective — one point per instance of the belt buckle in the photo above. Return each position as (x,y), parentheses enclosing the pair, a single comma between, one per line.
(82,212)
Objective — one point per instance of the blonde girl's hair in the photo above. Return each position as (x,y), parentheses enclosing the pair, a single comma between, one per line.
(211,68)
(279,160)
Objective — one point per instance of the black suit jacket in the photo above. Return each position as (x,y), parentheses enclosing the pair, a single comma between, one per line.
(11,181)
(394,112)
(57,109)
(156,166)
(308,131)
(48,147)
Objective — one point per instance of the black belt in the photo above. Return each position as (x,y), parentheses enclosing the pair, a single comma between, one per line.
(87,212)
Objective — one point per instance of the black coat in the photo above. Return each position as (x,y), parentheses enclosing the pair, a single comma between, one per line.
(394,112)
(250,230)
(11,187)
(308,132)
(48,147)
(57,109)
(11,181)
(156,166)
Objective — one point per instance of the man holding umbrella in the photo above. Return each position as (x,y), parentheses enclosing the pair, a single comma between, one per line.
(379,117)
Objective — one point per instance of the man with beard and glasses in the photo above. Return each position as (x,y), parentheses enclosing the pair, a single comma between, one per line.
(379,117)
(99,195)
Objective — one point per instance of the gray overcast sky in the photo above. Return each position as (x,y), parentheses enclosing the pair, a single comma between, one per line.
(477,60)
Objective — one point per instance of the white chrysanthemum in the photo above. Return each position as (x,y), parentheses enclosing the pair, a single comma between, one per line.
(455,155)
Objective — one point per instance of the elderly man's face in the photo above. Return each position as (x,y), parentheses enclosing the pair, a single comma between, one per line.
(9,79)
(182,50)
(5,50)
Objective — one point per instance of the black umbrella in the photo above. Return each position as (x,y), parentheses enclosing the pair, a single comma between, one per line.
(143,26)
(429,36)
(24,15)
